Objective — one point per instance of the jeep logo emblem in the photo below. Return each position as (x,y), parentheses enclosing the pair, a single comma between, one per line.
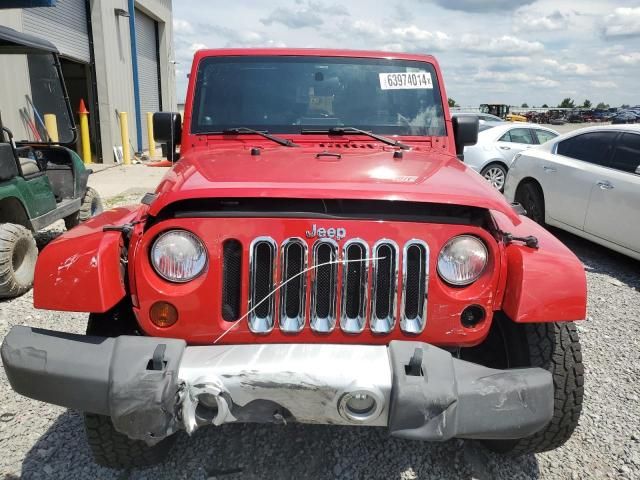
(331,232)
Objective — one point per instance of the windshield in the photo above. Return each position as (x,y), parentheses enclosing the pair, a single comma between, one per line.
(36,91)
(292,94)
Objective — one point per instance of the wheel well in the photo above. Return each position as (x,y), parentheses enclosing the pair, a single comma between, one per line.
(530,181)
(495,162)
(12,211)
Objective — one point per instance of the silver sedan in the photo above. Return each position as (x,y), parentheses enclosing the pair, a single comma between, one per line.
(498,143)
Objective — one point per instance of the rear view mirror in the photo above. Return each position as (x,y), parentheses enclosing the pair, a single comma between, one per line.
(465,132)
(167,128)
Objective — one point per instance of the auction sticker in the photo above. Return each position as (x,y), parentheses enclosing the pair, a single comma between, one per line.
(405,80)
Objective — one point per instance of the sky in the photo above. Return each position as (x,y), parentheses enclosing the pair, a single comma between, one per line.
(501,51)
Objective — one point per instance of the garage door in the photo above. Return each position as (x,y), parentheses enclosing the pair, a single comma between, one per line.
(147,44)
(65,25)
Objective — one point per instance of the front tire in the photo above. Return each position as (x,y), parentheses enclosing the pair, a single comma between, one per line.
(113,449)
(18,255)
(530,196)
(556,348)
(109,447)
(90,207)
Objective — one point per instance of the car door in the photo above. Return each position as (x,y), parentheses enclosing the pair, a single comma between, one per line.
(614,206)
(514,141)
(568,174)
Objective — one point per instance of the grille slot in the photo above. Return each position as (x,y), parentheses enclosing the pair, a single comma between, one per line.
(384,290)
(231,279)
(262,257)
(415,279)
(293,294)
(324,284)
(354,286)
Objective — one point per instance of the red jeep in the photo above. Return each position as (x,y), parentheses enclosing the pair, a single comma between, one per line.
(319,254)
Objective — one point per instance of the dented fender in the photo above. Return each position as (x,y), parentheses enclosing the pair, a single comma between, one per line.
(547,284)
(80,271)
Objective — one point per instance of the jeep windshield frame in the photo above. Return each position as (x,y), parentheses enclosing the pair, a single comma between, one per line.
(290,94)
(35,61)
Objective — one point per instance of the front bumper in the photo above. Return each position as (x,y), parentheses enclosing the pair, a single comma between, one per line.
(151,387)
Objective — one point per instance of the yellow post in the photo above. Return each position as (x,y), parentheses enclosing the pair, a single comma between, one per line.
(84,132)
(124,131)
(51,124)
(152,142)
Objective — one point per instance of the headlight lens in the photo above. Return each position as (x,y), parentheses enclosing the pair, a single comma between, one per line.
(462,260)
(178,256)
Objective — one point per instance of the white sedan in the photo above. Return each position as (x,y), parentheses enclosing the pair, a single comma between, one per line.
(498,143)
(586,182)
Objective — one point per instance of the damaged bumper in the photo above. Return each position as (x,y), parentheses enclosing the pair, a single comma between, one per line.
(152,387)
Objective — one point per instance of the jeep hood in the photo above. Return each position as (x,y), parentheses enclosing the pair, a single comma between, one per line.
(422,175)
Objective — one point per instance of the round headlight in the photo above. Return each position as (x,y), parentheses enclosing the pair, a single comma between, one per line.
(462,260)
(178,256)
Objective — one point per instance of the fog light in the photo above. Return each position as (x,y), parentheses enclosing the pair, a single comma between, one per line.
(163,314)
(472,316)
(360,406)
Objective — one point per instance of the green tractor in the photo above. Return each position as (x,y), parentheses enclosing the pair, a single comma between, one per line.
(41,179)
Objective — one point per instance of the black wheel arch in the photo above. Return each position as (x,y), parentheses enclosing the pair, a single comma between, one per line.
(12,210)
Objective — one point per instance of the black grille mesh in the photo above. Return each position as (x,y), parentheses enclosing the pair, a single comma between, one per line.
(231,279)
(384,280)
(294,258)
(263,259)
(354,279)
(415,282)
(325,281)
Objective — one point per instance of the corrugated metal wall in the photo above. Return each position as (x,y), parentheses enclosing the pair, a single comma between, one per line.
(147,45)
(65,25)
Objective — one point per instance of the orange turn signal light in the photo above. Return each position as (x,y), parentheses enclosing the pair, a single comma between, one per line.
(163,314)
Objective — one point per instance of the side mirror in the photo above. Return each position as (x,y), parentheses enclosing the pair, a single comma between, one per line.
(167,128)
(465,132)
(638,169)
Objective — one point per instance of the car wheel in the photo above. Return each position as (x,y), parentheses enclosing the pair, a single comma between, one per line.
(496,175)
(530,197)
(109,447)
(556,348)
(18,255)
(90,207)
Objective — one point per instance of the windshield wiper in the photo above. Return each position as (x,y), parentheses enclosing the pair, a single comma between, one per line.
(281,141)
(343,130)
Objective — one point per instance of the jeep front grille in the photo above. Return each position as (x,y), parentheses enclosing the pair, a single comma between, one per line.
(340,279)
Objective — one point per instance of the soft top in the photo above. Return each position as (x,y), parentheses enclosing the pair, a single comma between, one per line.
(12,41)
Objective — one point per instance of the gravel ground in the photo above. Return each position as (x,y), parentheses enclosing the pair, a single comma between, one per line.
(43,441)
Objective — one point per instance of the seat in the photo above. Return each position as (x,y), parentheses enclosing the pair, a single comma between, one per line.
(29,166)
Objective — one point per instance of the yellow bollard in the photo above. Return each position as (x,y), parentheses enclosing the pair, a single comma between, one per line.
(152,142)
(51,125)
(124,131)
(84,132)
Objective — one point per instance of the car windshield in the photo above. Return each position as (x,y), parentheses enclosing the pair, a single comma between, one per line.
(36,92)
(282,94)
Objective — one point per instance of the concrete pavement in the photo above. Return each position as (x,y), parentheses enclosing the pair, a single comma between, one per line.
(119,180)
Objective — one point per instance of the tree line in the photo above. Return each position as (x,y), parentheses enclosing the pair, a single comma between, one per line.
(565,103)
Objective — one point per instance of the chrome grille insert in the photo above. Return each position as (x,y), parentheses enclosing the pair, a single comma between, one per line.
(324,282)
(355,273)
(415,280)
(262,267)
(293,263)
(384,296)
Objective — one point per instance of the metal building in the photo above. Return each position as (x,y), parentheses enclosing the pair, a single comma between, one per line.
(116,55)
